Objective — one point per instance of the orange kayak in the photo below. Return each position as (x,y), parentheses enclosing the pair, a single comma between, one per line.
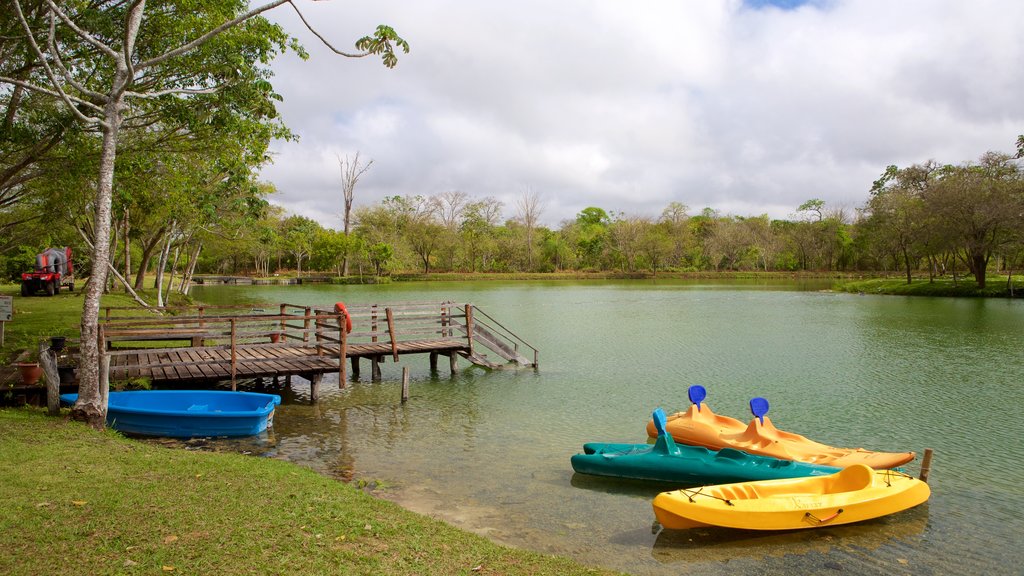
(699,426)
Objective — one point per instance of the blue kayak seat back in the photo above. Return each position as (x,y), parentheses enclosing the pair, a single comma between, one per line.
(697,394)
(759,407)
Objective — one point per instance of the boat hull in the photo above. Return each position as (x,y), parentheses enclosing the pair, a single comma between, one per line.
(854,494)
(705,428)
(189,413)
(686,465)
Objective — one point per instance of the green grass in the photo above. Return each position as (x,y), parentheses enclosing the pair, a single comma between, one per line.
(77,501)
(37,318)
(995,287)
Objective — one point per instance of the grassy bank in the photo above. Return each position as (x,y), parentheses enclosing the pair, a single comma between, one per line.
(77,501)
(36,318)
(995,287)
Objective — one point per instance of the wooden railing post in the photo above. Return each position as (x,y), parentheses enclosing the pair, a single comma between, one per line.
(305,327)
(391,332)
(373,322)
(233,356)
(342,351)
(469,327)
(319,337)
(284,336)
(444,320)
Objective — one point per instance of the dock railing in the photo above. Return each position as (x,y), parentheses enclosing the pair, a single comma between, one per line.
(190,336)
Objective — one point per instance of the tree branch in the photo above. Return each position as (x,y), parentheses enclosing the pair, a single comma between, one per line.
(74,27)
(169,91)
(211,34)
(322,39)
(49,71)
(68,99)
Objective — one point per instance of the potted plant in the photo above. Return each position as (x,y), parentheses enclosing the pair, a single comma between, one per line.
(30,372)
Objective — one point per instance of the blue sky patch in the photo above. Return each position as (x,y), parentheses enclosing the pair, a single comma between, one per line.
(783,4)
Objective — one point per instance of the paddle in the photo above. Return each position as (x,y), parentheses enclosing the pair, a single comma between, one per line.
(759,407)
(697,394)
(665,443)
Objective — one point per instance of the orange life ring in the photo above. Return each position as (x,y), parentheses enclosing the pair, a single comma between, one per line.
(339,308)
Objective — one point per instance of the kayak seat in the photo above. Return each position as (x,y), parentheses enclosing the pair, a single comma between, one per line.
(849,479)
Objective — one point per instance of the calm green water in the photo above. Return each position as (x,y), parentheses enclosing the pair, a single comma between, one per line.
(489,451)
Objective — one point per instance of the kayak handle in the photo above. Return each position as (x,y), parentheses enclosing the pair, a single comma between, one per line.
(825,519)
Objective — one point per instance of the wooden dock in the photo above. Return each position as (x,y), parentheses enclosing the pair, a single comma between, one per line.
(209,344)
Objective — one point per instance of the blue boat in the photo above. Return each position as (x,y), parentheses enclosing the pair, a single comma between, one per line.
(666,461)
(188,413)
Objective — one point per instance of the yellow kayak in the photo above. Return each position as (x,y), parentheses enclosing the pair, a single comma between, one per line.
(699,426)
(853,494)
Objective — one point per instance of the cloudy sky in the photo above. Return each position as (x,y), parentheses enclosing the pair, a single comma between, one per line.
(744,106)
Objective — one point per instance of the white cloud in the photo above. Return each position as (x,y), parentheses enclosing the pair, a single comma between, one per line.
(631,106)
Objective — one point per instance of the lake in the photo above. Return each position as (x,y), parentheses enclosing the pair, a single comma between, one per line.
(489,451)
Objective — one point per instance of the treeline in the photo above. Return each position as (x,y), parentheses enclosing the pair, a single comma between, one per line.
(940,219)
(926,218)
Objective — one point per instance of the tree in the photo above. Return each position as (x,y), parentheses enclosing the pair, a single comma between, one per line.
(528,210)
(980,206)
(107,60)
(896,208)
(351,170)
(299,234)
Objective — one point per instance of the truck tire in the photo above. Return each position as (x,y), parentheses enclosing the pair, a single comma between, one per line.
(56,286)
(25,290)
(71,287)
(49,288)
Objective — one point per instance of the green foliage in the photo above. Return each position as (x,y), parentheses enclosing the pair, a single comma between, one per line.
(383,41)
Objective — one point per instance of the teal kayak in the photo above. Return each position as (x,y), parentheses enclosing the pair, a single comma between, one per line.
(666,461)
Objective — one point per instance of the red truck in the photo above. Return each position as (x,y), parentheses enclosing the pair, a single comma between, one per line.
(53,270)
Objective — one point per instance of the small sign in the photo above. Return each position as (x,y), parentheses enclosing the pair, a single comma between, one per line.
(6,308)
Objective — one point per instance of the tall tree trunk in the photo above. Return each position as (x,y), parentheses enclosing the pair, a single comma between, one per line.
(126,229)
(170,279)
(148,247)
(186,280)
(90,407)
(161,265)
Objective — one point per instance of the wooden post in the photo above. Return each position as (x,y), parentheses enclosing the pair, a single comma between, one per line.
(104,370)
(355,367)
(233,357)
(198,341)
(342,349)
(469,329)
(283,325)
(926,464)
(433,361)
(316,324)
(444,321)
(314,387)
(373,322)
(375,368)
(48,359)
(453,361)
(104,382)
(405,384)
(305,326)
(391,332)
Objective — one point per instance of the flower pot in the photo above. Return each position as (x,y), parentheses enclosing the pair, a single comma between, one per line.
(30,372)
(57,343)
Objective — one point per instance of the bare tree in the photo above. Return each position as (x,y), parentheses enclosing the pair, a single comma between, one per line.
(350,173)
(528,210)
(450,206)
(118,74)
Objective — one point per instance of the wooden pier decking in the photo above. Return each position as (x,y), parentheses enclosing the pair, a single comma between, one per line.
(207,344)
